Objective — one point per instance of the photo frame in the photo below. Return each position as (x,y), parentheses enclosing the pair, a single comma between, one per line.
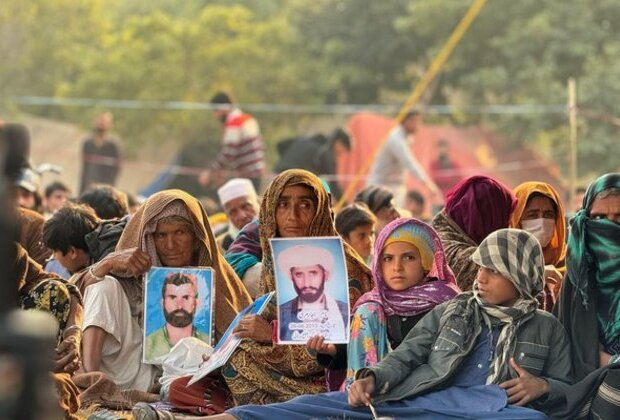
(178,303)
(312,289)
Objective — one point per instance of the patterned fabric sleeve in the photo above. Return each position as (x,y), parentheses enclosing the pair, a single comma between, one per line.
(52,296)
(369,342)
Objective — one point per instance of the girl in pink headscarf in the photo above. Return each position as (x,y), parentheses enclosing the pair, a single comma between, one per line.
(411,278)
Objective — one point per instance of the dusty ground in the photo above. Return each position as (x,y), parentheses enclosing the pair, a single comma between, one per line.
(60,143)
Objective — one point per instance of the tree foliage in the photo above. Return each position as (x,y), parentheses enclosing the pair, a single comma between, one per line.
(321,51)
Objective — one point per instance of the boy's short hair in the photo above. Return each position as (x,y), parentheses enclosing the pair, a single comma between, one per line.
(68,227)
(353,216)
(56,186)
(107,201)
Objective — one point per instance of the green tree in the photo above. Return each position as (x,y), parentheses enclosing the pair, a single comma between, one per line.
(359,43)
(523,53)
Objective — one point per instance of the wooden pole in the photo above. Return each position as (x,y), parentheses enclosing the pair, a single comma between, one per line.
(572,120)
(427,78)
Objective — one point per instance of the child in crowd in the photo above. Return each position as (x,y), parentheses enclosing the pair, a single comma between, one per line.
(356,224)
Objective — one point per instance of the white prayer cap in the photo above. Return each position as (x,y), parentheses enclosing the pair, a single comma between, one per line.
(235,188)
(303,256)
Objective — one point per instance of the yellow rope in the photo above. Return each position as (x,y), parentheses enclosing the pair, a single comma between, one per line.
(413,99)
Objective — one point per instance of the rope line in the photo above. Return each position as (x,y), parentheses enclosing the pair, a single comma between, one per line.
(287,108)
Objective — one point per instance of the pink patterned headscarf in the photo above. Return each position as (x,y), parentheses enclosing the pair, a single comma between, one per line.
(438,287)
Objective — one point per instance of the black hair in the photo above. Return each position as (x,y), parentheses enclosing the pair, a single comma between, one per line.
(375,197)
(176,279)
(222,98)
(353,216)
(341,135)
(107,201)
(416,196)
(56,186)
(68,227)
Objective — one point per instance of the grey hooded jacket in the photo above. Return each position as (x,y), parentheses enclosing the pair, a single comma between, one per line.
(435,348)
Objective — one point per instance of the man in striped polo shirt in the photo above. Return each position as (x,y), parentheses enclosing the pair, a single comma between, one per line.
(242,154)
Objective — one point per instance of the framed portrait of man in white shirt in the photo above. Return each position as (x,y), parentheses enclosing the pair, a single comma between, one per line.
(312,289)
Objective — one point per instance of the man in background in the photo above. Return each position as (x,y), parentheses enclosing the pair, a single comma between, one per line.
(445,171)
(240,202)
(317,154)
(100,154)
(242,154)
(395,159)
(416,204)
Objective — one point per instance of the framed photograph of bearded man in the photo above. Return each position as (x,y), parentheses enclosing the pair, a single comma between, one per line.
(178,303)
(312,289)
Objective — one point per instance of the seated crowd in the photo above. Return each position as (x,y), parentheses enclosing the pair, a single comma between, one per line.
(494,309)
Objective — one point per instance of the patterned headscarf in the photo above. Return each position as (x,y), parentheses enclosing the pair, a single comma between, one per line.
(480,205)
(322,224)
(516,255)
(147,243)
(555,251)
(593,263)
(439,285)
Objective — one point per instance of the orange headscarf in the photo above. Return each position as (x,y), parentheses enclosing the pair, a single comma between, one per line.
(555,251)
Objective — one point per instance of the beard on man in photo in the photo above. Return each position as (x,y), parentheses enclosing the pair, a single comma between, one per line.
(179,317)
(310,294)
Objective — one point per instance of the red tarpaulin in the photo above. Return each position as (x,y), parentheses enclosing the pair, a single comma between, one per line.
(474,150)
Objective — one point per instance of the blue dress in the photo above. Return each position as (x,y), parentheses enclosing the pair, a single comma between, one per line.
(467,397)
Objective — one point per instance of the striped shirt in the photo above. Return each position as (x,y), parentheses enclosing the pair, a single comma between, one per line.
(242,151)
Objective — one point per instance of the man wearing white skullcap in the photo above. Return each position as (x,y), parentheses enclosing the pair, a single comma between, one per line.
(309,268)
(238,197)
